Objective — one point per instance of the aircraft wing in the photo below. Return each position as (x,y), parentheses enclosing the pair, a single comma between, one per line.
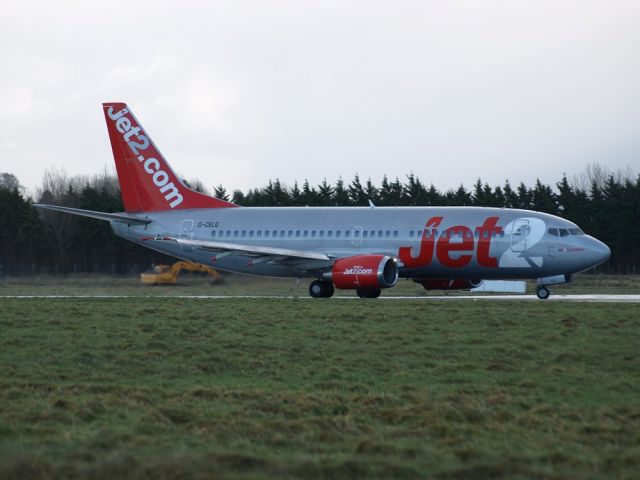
(263,254)
(114,217)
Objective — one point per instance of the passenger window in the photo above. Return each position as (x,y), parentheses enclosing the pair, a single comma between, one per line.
(338,233)
(365,234)
(330,233)
(290,234)
(554,232)
(228,233)
(305,234)
(347,233)
(411,234)
(213,233)
(379,233)
(281,233)
(313,233)
(564,232)
(321,233)
(235,233)
(356,233)
(266,234)
(297,233)
(221,233)
(387,234)
(259,233)
(244,233)
(251,233)
(395,234)
(373,233)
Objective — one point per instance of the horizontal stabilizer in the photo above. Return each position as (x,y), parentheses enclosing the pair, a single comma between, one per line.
(112,217)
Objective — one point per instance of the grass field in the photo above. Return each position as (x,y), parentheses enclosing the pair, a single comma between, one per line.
(196,284)
(194,388)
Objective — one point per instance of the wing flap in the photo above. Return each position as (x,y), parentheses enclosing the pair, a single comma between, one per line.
(250,250)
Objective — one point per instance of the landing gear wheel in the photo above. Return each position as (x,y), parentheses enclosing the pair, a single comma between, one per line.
(320,289)
(543,293)
(368,292)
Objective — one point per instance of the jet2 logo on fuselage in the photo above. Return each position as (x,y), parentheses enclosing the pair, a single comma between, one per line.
(444,246)
(525,233)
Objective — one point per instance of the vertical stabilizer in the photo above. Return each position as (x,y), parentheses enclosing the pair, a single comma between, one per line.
(147,182)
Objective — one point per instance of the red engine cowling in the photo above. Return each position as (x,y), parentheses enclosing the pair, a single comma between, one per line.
(364,271)
(448,284)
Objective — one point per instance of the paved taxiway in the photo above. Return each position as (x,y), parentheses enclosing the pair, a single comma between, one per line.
(483,298)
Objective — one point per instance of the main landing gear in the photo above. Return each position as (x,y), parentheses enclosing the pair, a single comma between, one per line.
(368,292)
(320,289)
(324,289)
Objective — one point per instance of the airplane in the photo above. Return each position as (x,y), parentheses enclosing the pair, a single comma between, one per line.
(365,248)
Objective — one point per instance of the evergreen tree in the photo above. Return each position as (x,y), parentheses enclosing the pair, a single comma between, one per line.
(341,195)
(325,194)
(510,197)
(415,193)
(295,196)
(525,198)
(356,192)
(371,192)
(309,195)
(221,193)
(543,199)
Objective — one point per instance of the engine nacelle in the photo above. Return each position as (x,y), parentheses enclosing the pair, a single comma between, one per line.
(448,284)
(364,271)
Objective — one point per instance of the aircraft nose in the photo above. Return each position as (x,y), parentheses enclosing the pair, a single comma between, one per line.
(599,251)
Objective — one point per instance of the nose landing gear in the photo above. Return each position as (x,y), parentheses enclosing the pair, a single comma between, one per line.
(543,293)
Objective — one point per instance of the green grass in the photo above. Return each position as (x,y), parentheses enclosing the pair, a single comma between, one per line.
(193,388)
(196,284)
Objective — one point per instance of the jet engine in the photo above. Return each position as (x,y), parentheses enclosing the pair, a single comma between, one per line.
(448,284)
(364,272)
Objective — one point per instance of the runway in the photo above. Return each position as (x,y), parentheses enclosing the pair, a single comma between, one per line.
(590,298)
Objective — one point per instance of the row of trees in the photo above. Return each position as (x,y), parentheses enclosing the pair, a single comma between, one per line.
(604,204)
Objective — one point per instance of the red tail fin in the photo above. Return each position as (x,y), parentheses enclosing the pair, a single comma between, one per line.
(146,180)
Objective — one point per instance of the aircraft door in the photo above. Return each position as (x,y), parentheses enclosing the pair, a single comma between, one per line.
(519,234)
(186,231)
(356,237)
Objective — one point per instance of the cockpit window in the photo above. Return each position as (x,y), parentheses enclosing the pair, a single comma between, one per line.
(554,232)
(576,231)
(564,232)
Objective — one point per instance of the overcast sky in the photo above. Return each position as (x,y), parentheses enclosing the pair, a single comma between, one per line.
(238,92)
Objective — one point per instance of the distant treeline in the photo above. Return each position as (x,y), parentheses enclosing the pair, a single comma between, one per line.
(604,204)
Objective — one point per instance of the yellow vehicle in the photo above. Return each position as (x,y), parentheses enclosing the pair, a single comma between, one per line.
(168,275)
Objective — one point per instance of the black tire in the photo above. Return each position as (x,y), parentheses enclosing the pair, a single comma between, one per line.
(543,293)
(320,289)
(368,292)
(329,290)
(374,293)
(316,289)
